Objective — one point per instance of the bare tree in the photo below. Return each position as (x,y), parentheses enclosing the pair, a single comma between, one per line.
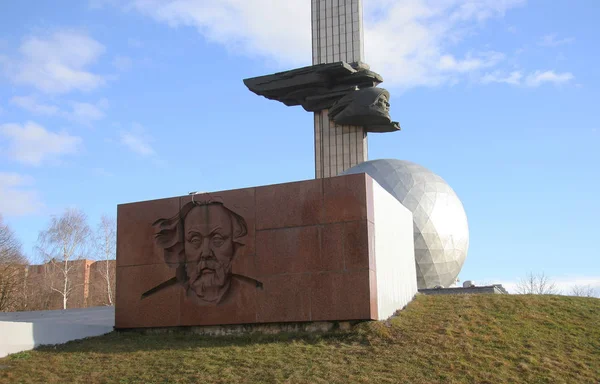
(537,284)
(583,291)
(61,245)
(106,242)
(35,293)
(12,268)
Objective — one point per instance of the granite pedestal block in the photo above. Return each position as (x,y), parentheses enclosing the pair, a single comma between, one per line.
(333,249)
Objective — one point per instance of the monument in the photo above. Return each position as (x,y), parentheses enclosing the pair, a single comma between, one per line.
(336,248)
(342,92)
(339,88)
(331,249)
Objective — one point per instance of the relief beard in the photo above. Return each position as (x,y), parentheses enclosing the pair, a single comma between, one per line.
(210,281)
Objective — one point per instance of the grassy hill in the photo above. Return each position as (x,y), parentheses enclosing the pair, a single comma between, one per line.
(436,339)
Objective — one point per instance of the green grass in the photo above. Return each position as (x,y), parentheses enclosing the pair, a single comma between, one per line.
(436,339)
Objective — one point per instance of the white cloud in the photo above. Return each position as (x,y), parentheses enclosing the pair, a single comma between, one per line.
(122,63)
(12,179)
(408,41)
(534,79)
(137,140)
(57,63)
(538,78)
(279,30)
(32,144)
(552,41)
(513,78)
(30,103)
(86,113)
(16,198)
(79,112)
(469,64)
(411,43)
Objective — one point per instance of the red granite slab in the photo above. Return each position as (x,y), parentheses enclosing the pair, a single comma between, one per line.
(287,250)
(341,296)
(291,252)
(345,198)
(134,230)
(159,310)
(289,205)
(284,298)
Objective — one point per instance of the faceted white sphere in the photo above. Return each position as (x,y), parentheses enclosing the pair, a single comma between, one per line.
(441,231)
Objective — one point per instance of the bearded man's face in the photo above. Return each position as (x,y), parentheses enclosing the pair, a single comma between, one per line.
(209,250)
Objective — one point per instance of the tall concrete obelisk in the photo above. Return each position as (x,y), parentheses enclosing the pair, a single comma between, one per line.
(339,88)
(337,35)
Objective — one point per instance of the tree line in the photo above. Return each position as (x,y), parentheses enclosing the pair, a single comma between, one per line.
(541,284)
(68,240)
(63,279)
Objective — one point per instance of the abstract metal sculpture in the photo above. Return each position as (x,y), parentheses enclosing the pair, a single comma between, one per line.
(348,89)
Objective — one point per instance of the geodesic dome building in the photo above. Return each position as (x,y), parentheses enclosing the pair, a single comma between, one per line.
(441,230)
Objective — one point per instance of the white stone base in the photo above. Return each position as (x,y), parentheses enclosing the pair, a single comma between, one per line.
(22,331)
(395,267)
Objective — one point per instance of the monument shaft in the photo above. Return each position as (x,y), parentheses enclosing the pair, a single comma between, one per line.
(337,35)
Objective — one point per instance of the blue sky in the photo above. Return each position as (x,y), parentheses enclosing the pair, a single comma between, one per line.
(106,102)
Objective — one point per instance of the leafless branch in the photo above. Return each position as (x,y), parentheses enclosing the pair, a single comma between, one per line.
(583,291)
(106,241)
(12,268)
(537,284)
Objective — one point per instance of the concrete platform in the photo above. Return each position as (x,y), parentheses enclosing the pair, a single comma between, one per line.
(22,331)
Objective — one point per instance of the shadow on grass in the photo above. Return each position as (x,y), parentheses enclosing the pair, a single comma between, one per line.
(118,342)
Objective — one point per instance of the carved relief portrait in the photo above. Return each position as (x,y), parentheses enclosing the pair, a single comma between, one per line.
(367,107)
(201,242)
